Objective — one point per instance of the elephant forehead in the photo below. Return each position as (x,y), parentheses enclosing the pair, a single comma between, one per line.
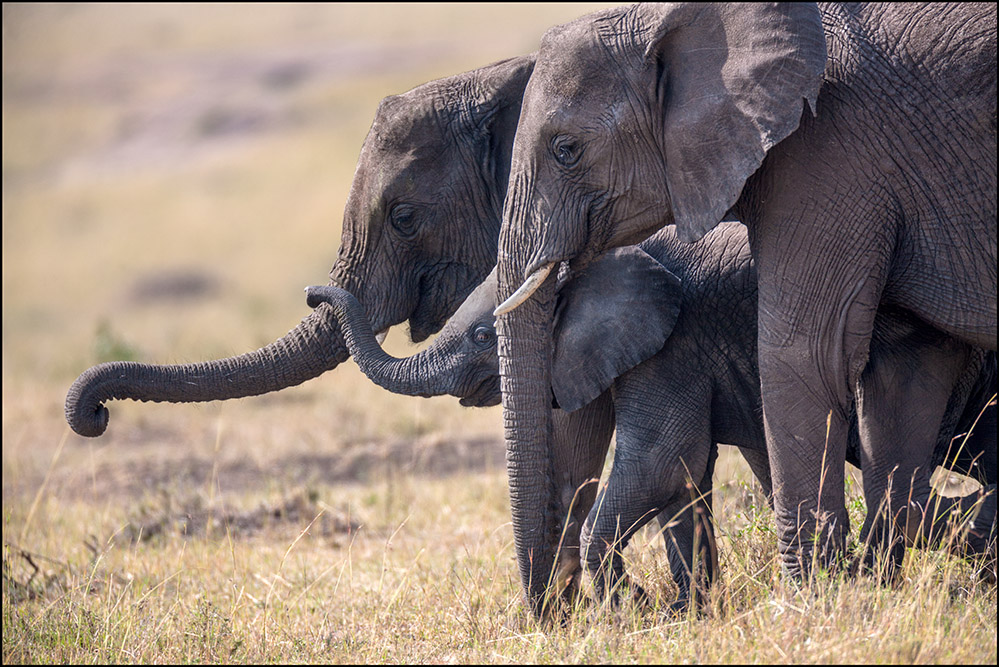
(573,65)
(388,172)
(403,122)
(478,306)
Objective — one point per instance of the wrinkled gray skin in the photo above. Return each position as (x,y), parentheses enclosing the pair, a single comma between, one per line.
(865,173)
(420,229)
(669,329)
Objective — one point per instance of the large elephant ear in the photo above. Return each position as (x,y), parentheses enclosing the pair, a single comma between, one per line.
(494,113)
(613,316)
(730,78)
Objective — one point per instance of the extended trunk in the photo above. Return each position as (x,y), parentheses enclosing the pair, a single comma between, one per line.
(305,352)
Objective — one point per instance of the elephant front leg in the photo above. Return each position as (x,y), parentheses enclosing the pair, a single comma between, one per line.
(807,437)
(814,330)
(655,472)
(964,525)
(974,453)
(617,514)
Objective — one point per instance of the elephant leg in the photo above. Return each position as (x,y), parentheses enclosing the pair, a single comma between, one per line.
(688,530)
(967,440)
(819,290)
(581,440)
(606,533)
(659,453)
(965,525)
(902,400)
(807,427)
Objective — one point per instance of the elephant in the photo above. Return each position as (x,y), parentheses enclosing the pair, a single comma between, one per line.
(669,330)
(856,142)
(420,232)
(420,228)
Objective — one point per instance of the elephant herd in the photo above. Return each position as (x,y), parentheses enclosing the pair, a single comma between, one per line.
(812,192)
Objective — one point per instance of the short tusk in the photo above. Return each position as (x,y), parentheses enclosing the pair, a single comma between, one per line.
(380,336)
(525,291)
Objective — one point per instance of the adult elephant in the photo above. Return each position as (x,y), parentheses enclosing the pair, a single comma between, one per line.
(866,176)
(420,229)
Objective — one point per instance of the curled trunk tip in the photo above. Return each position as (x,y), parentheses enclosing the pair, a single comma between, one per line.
(85,412)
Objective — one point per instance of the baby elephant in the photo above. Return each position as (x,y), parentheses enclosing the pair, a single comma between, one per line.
(670,329)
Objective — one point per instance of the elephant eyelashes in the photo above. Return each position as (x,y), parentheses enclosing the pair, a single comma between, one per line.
(403,219)
(565,150)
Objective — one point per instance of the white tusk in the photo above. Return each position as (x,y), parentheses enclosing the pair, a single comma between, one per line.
(525,291)
(380,336)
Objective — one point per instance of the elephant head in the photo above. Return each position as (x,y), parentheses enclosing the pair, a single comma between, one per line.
(419,233)
(611,317)
(423,214)
(634,118)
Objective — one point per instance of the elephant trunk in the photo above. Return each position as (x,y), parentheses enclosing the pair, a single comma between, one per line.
(305,352)
(432,372)
(525,344)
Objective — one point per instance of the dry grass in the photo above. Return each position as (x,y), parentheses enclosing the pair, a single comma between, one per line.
(173,177)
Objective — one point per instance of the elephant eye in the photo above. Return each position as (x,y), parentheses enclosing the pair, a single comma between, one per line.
(482,335)
(565,150)
(403,219)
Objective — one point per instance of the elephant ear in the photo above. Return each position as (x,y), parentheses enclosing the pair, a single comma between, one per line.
(730,78)
(613,316)
(494,115)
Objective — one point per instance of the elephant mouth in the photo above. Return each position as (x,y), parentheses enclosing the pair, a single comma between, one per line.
(485,395)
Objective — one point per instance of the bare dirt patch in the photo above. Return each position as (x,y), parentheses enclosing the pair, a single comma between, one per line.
(191,517)
(136,478)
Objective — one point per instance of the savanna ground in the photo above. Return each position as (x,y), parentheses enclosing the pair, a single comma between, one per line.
(173,176)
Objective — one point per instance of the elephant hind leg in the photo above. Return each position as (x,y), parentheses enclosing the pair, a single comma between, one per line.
(903,403)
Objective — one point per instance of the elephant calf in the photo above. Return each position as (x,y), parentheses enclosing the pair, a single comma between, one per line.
(668,329)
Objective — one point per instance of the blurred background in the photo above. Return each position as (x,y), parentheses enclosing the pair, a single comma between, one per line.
(173,177)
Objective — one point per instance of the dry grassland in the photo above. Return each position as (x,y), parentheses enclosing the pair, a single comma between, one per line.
(173,176)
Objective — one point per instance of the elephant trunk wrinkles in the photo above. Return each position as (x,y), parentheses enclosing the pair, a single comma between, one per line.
(432,372)
(305,352)
(525,368)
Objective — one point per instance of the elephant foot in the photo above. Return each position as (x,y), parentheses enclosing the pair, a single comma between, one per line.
(618,589)
(623,598)
(802,557)
(639,597)
(879,554)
